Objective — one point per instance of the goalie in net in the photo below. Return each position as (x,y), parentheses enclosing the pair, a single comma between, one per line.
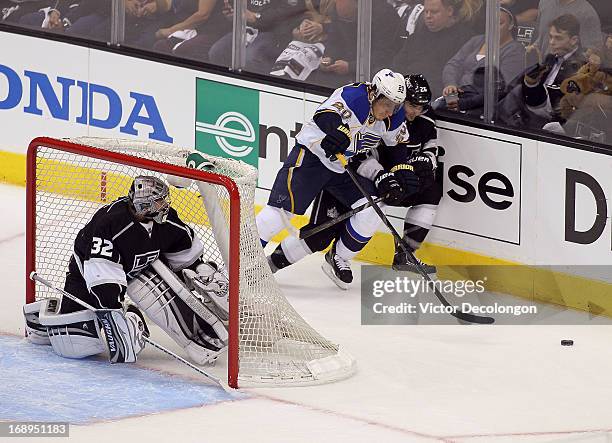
(138,246)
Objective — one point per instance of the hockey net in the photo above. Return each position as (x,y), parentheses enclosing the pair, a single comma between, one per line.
(68,180)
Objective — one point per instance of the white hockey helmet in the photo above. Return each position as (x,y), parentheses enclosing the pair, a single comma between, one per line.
(391,85)
(150,198)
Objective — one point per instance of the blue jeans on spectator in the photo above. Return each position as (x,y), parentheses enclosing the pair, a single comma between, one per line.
(260,54)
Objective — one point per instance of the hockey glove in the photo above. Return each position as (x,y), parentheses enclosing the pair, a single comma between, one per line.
(360,156)
(389,187)
(424,166)
(212,287)
(408,180)
(336,141)
(424,163)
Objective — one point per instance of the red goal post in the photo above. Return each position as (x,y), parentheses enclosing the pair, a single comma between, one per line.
(68,180)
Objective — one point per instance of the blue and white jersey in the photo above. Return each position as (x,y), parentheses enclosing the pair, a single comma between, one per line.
(351,103)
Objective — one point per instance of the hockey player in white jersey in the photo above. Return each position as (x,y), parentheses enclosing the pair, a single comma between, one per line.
(421,155)
(354,118)
(136,246)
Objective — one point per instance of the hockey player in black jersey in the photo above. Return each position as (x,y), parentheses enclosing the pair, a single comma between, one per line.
(419,156)
(136,246)
(423,157)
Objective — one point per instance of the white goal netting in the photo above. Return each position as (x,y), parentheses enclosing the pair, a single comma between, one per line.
(275,344)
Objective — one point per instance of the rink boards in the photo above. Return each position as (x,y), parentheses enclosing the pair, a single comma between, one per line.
(508,199)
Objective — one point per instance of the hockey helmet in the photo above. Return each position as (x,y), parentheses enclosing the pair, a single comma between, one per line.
(391,85)
(418,92)
(150,198)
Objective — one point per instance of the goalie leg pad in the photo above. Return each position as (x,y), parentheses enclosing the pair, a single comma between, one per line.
(124,333)
(34,331)
(73,335)
(202,339)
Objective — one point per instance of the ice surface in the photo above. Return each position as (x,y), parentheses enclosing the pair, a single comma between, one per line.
(414,383)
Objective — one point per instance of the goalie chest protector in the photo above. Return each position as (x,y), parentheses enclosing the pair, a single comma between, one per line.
(113,235)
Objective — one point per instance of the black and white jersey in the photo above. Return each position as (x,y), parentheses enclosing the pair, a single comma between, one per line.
(113,247)
(422,136)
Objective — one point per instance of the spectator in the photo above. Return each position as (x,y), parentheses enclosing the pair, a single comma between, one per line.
(143,18)
(46,18)
(88,18)
(303,54)
(604,11)
(313,28)
(525,11)
(535,101)
(587,103)
(590,25)
(269,27)
(438,35)
(202,23)
(608,51)
(61,15)
(338,66)
(458,74)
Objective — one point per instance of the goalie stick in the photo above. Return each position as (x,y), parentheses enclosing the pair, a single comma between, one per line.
(34,276)
(333,221)
(455,313)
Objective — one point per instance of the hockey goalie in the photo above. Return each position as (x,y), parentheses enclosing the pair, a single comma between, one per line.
(138,246)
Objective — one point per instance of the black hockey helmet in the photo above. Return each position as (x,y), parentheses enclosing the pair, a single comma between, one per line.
(418,92)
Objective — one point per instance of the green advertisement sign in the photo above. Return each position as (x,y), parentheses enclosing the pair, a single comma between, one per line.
(227,121)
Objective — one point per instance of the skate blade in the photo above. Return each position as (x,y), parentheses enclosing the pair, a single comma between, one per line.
(413,269)
(326,267)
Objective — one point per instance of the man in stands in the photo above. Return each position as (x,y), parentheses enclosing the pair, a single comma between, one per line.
(534,102)
(589,23)
(269,25)
(439,34)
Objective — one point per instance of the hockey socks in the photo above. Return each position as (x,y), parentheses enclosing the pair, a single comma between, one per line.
(291,250)
(402,261)
(270,221)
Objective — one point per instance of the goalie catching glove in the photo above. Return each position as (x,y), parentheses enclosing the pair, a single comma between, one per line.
(212,286)
(179,312)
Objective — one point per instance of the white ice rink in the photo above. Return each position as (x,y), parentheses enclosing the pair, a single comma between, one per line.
(414,383)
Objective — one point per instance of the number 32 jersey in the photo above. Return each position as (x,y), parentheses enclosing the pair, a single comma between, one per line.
(113,247)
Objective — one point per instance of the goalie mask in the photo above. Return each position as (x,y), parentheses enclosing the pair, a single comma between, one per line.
(150,198)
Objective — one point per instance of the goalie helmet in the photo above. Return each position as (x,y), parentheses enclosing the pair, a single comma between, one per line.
(418,92)
(389,84)
(150,198)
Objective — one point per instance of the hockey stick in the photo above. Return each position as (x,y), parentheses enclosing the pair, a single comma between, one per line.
(333,221)
(34,276)
(455,312)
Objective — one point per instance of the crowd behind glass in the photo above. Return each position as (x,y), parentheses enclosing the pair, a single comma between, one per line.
(553,70)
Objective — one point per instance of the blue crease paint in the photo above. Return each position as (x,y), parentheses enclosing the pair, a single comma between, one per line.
(37,385)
